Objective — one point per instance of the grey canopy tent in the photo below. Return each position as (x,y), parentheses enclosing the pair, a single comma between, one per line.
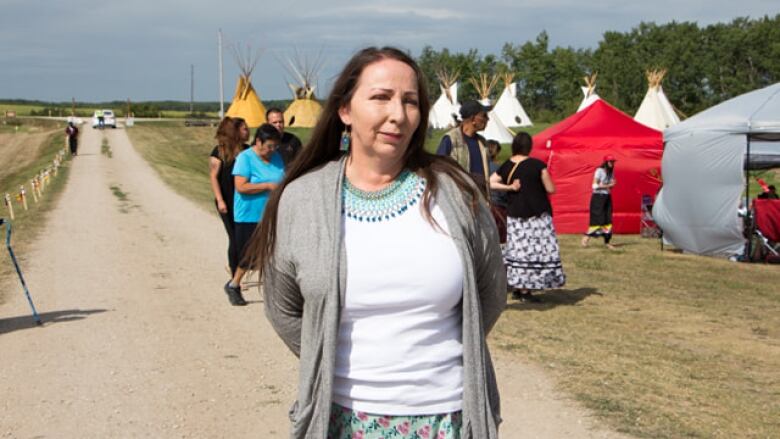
(704,171)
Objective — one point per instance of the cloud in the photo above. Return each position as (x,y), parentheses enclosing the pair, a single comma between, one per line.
(143,49)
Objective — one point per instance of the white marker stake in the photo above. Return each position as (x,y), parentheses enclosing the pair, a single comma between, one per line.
(23,195)
(9,206)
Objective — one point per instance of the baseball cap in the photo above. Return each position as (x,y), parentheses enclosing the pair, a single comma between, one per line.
(472,108)
(609,158)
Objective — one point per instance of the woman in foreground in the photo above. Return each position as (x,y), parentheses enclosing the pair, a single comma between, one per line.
(382,269)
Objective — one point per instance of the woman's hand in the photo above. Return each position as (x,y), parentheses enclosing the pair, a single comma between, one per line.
(222,207)
(515,186)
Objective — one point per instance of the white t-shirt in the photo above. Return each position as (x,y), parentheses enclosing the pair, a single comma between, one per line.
(400,349)
(600,177)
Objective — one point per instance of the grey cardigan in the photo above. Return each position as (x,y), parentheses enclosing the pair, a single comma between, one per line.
(302,295)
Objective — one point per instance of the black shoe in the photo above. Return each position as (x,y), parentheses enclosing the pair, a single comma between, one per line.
(234,295)
(528,297)
(525,296)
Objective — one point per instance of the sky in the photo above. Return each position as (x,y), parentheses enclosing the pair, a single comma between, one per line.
(101,50)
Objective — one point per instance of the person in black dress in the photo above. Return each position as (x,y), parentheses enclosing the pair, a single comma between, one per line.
(532,255)
(232,134)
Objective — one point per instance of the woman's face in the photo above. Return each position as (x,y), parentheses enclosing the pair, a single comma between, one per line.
(383,111)
(493,150)
(265,149)
(243,132)
(611,164)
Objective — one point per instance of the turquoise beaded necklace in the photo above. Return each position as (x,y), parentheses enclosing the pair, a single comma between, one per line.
(385,203)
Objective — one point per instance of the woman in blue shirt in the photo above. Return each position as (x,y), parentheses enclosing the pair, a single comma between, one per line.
(257,172)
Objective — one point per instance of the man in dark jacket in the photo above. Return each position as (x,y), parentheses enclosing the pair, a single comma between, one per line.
(290,145)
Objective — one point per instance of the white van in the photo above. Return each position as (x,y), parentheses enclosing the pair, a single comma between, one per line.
(108,119)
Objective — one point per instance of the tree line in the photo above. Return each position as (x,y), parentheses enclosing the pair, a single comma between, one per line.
(706,65)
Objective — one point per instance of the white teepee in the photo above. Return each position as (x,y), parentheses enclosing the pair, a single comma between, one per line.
(656,111)
(446,108)
(589,92)
(508,108)
(495,129)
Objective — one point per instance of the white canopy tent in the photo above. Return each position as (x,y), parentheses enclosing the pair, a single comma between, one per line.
(656,111)
(704,165)
(446,108)
(508,108)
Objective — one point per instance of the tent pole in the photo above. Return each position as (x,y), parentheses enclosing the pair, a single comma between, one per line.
(747,199)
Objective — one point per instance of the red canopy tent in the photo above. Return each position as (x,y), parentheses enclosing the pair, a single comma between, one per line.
(576,146)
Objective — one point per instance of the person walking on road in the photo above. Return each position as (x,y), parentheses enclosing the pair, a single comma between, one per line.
(232,133)
(72,133)
(257,172)
(290,144)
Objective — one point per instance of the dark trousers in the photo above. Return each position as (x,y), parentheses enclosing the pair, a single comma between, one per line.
(230,228)
(601,216)
(244,233)
(74,145)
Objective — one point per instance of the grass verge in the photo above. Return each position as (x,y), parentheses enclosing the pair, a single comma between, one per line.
(179,155)
(40,152)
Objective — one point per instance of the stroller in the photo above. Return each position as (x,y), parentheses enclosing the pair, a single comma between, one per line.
(763,232)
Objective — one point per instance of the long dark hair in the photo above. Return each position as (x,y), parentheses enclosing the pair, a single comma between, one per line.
(229,138)
(608,169)
(323,147)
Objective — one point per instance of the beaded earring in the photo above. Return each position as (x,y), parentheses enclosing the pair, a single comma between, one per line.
(346,139)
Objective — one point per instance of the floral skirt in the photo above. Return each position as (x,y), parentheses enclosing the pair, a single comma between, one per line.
(532,255)
(346,423)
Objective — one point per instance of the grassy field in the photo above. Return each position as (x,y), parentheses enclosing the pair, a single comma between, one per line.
(23,153)
(180,154)
(24,110)
(657,344)
(660,344)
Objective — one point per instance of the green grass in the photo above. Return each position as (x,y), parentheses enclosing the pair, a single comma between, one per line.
(657,344)
(29,125)
(770,177)
(105,148)
(41,149)
(179,155)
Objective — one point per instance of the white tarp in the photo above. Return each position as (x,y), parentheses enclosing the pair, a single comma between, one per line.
(656,111)
(703,172)
(509,110)
(441,114)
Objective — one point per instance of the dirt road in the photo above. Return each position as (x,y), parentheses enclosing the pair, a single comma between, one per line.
(139,340)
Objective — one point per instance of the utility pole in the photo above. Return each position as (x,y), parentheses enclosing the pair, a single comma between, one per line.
(221,89)
(73,107)
(192,87)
